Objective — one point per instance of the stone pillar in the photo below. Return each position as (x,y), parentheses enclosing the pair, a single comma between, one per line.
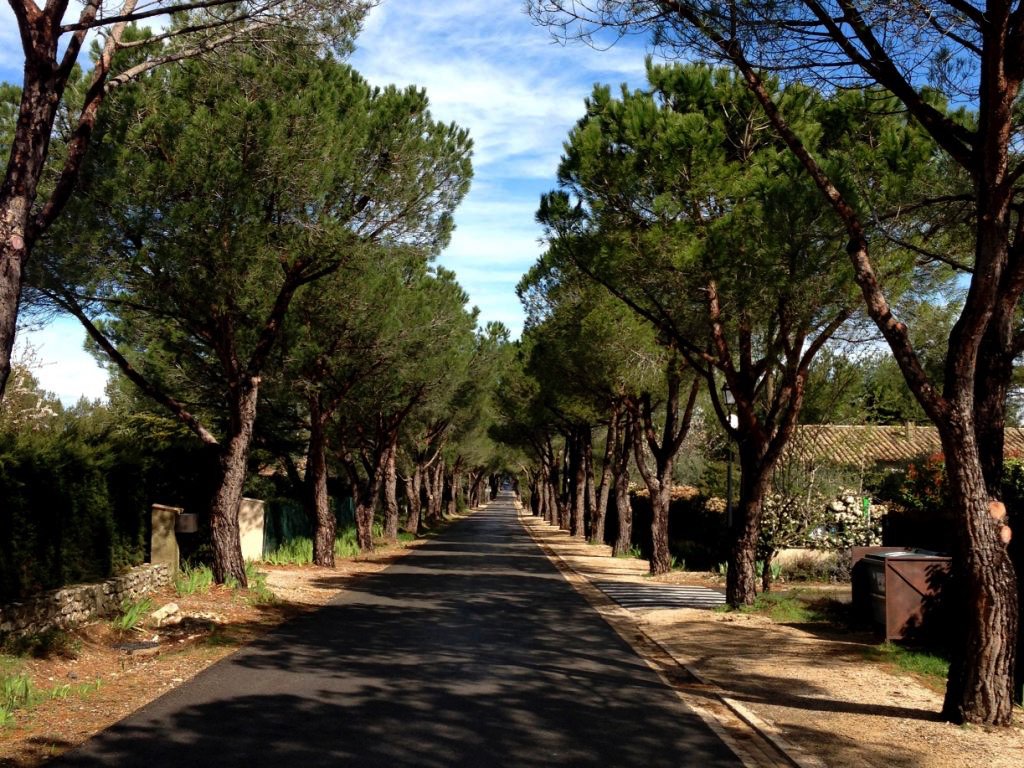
(163,542)
(251,519)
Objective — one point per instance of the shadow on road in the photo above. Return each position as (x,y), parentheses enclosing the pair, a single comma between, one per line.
(471,651)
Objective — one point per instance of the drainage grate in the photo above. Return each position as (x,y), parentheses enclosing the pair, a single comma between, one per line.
(646,597)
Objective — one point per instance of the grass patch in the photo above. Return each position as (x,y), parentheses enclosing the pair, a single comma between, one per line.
(800,607)
(633,553)
(345,543)
(931,666)
(405,537)
(299,551)
(258,593)
(88,687)
(16,692)
(193,579)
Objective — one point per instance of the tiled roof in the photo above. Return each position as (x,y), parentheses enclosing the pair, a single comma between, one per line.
(862,445)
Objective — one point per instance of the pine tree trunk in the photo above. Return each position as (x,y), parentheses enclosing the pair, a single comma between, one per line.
(742,576)
(390,482)
(364,525)
(40,98)
(980,684)
(234,459)
(588,490)
(661,497)
(624,510)
(766,572)
(435,492)
(413,489)
(454,490)
(993,381)
(620,479)
(578,489)
(324,522)
(366,504)
(554,509)
(604,487)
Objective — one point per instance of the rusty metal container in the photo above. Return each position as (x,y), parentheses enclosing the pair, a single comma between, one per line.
(186,522)
(901,590)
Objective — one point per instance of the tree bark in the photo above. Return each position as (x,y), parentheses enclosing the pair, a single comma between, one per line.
(980,684)
(390,483)
(413,491)
(234,459)
(565,487)
(588,492)
(578,489)
(318,503)
(755,473)
(604,487)
(620,479)
(552,487)
(42,89)
(435,492)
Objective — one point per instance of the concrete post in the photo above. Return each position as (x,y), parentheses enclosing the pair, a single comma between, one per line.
(163,542)
(251,521)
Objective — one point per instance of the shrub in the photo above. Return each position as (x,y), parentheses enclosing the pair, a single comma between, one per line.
(132,614)
(50,643)
(834,568)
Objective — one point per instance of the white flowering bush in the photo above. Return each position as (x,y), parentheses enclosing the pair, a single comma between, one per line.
(817,521)
(850,520)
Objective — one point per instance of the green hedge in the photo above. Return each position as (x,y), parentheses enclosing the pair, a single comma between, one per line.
(74,502)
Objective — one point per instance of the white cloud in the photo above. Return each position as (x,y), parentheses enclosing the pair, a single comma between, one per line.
(66,368)
(518,92)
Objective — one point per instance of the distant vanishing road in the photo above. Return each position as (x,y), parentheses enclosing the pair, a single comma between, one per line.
(471,651)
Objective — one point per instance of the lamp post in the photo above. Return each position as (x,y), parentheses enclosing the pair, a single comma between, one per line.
(729,400)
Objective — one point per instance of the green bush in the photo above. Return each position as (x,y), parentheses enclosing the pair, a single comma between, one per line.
(132,614)
(77,493)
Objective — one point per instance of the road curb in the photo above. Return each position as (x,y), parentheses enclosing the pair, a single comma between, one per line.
(657,656)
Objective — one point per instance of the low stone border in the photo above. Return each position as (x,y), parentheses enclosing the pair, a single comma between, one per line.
(72,605)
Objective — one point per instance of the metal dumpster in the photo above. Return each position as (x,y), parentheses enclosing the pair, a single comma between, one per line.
(901,590)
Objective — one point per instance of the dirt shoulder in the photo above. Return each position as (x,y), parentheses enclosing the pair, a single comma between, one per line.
(107,675)
(817,688)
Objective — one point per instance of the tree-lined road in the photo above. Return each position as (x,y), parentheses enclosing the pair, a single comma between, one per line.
(471,651)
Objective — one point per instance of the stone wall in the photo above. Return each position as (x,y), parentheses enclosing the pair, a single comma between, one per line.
(70,605)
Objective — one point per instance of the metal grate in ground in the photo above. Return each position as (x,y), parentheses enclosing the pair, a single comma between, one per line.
(647,597)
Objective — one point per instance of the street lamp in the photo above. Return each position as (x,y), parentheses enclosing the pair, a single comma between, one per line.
(730,401)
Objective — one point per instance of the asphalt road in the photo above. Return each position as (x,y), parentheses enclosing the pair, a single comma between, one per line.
(471,651)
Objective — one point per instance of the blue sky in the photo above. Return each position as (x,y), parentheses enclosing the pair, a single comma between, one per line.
(492,72)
